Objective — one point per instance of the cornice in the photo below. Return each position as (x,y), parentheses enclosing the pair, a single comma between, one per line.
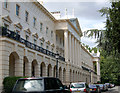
(44,10)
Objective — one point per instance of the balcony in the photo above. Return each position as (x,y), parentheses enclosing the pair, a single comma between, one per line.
(12,35)
(87,69)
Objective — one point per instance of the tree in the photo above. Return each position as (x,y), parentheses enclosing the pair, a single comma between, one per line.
(109,43)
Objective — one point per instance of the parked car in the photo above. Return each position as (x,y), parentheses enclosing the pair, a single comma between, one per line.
(109,85)
(94,88)
(112,85)
(39,85)
(102,87)
(105,87)
(79,87)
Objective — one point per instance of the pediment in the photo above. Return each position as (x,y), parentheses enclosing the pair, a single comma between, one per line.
(75,23)
(28,31)
(52,45)
(18,25)
(7,18)
(35,35)
(42,39)
(48,42)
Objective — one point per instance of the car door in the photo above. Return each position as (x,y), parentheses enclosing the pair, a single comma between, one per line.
(53,85)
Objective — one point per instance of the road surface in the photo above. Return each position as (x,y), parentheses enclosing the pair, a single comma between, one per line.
(113,90)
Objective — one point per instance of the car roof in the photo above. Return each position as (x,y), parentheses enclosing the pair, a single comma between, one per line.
(78,83)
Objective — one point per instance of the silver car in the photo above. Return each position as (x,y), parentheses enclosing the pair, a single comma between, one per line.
(79,87)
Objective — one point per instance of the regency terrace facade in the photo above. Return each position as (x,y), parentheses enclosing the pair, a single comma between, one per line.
(30,37)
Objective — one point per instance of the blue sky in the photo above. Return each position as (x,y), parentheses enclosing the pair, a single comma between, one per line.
(85,10)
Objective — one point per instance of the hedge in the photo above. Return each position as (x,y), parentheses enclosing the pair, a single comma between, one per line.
(8,83)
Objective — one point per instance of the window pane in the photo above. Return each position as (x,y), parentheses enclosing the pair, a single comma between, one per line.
(34,21)
(41,25)
(5,4)
(26,16)
(17,10)
(29,85)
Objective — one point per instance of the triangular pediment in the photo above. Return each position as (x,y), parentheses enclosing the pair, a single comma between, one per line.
(42,39)
(52,45)
(18,25)
(48,42)
(35,35)
(75,23)
(28,31)
(7,18)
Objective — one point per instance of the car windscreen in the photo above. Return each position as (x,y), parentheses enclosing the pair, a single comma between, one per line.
(92,86)
(29,85)
(77,85)
(100,85)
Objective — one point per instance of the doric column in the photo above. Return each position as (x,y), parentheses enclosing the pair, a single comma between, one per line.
(73,49)
(98,71)
(66,45)
(78,54)
(70,48)
(75,52)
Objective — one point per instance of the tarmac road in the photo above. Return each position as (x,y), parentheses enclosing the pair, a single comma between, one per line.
(113,90)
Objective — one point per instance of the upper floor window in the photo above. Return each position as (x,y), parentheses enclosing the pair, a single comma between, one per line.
(26,16)
(6,26)
(35,41)
(47,47)
(41,44)
(46,30)
(17,10)
(27,37)
(51,33)
(6,4)
(41,26)
(34,21)
(52,50)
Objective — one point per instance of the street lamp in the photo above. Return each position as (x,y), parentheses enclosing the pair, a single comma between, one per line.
(57,57)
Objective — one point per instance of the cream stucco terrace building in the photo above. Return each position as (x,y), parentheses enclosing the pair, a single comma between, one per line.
(30,37)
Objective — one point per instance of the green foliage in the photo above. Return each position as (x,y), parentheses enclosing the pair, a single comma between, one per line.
(109,43)
(9,82)
(95,49)
(110,69)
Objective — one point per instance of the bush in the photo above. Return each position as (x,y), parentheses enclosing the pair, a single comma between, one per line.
(8,83)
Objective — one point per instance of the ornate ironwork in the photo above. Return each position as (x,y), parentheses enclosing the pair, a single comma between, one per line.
(12,35)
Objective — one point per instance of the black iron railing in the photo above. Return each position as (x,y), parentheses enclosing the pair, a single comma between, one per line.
(89,70)
(10,34)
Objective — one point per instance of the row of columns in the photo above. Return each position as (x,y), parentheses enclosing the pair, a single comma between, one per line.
(72,48)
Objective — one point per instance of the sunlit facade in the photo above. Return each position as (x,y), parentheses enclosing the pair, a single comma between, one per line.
(30,37)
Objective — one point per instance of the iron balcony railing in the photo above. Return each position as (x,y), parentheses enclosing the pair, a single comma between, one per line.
(10,34)
(89,70)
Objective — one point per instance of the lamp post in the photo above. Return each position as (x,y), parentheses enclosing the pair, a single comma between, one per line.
(57,57)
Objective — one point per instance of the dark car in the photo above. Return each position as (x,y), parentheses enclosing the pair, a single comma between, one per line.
(39,85)
(94,88)
(102,87)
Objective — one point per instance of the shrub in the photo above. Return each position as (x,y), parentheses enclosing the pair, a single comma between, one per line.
(8,83)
